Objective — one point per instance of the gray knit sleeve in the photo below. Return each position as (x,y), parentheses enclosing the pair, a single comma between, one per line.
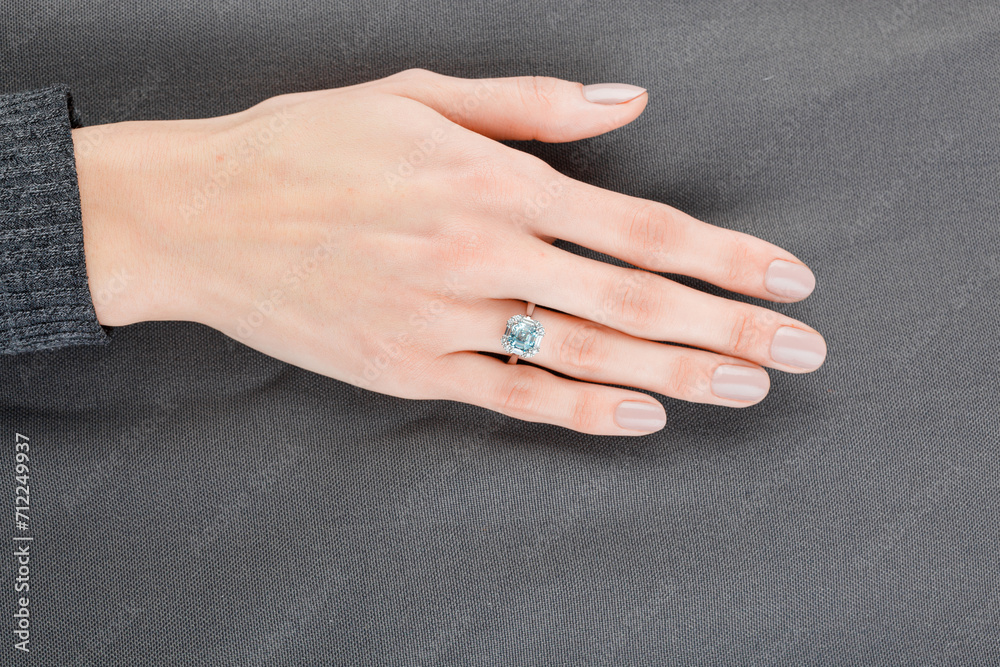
(45,300)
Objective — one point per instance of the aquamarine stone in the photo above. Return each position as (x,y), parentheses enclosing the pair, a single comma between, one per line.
(523,336)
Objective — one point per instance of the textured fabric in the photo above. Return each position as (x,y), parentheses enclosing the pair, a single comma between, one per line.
(44,298)
(197,503)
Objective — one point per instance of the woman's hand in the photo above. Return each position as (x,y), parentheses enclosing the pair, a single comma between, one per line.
(379,235)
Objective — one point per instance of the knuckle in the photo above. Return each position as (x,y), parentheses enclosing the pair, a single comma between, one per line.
(533,189)
(533,171)
(520,394)
(485,183)
(460,249)
(585,348)
(588,412)
(685,379)
(390,358)
(635,300)
(414,74)
(538,90)
(647,232)
(482,177)
(737,263)
(409,374)
(744,335)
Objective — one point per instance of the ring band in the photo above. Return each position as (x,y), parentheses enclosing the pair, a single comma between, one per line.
(523,336)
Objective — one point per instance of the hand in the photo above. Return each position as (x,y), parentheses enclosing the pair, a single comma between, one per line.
(378,234)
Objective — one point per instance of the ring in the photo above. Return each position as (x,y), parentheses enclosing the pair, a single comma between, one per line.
(523,336)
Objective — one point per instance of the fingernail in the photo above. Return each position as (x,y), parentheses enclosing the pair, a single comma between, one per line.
(795,347)
(611,93)
(639,416)
(789,280)
(740,383)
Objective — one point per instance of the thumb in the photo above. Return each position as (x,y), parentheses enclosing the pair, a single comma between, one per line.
(524,107)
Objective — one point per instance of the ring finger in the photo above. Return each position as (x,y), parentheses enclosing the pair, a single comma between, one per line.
(596,353)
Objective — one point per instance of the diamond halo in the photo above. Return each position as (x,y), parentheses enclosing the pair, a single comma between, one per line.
(523,336)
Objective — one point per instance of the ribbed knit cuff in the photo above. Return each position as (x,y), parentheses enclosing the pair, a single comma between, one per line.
(45,300)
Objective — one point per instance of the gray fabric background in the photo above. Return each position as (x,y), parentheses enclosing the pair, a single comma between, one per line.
(197,503)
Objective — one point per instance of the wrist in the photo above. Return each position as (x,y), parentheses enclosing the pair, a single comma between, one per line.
(126,173)
(108,225)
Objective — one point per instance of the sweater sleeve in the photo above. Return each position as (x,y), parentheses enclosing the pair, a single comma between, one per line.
(45,300)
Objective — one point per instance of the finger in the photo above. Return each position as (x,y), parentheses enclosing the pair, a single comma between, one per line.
(523,107)
(595,353)
(649,306)
(536,395)
(661,238)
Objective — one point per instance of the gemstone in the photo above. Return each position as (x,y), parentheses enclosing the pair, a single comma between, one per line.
(523,336)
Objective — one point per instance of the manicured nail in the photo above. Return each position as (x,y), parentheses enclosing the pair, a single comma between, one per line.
(611,93)
(740,383)
(639,416)
(795,347)
(789,280)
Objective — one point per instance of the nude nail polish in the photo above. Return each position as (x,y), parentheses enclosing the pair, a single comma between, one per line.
(740,383)
(640,416)
(789,280)
(799,348)
(611,93)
